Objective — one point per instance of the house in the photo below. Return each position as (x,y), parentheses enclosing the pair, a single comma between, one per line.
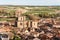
(2,23)
(36,39)
(12,23)
(47,20)
(57,26)
(4,36)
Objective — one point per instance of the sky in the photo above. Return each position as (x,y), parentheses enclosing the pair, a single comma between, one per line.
(30,2)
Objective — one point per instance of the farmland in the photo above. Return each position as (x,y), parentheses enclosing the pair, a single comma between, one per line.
(38,11)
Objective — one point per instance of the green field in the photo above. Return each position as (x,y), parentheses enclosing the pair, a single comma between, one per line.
(38,11)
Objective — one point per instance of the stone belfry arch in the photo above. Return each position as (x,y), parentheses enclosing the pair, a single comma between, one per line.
(21,19)
(20,11)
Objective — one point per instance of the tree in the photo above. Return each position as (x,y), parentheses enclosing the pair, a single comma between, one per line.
(16,37)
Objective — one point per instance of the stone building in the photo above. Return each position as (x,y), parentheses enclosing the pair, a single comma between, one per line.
(57,24)
(47,20)
(3,23)
(22,22)
(35,24)
(21,18)
(29,24)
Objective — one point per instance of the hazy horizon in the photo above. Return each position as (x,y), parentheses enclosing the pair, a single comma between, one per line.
(31,2)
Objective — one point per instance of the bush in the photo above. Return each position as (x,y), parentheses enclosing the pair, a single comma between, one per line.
(16,38)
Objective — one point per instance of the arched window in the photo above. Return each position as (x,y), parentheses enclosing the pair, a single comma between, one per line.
(1,23)
(20,23)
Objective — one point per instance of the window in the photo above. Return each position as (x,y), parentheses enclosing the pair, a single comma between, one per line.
(1,24)
(6,24)
(21,18)
(20,23)
(34,23)
(4,36)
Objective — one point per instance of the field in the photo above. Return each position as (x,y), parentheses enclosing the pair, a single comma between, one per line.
(34,11)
